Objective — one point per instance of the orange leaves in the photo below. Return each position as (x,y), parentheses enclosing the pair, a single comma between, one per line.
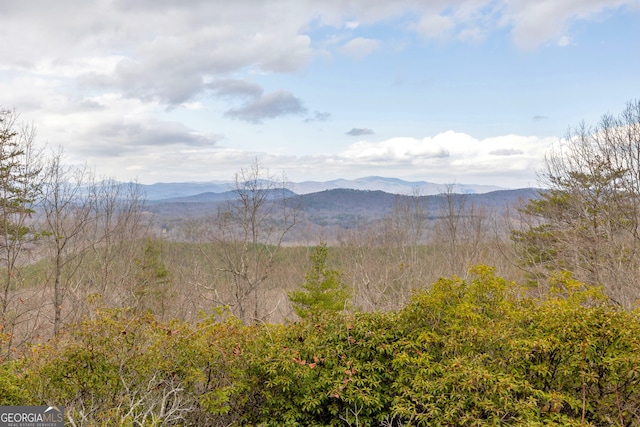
(316,360)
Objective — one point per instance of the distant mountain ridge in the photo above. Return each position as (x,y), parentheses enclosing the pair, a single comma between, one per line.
(162,190)
(326,211)
(176,190)
(391,185)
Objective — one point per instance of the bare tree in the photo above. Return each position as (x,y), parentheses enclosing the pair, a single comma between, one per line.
(385,258)
(410,218)
(250,230)
(587,221)
(20,184)
(94,229)
(460,230)
(68,212)
(118,237)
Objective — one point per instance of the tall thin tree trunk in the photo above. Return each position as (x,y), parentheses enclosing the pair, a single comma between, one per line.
(57,296)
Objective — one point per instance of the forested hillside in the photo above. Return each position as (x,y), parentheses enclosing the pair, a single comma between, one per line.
(345,307)
(331,212)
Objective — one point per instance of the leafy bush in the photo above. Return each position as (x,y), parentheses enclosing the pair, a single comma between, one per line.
(463,352)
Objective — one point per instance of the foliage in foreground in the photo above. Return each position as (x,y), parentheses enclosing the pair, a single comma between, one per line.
(474,352)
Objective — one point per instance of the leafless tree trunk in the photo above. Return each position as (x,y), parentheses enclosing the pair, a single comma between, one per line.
(118,237)
(89,220)
(460,231)
(385,258)
(20,183)
(250,230)
(68,211)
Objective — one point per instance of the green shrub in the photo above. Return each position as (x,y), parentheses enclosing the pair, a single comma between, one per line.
(462,353)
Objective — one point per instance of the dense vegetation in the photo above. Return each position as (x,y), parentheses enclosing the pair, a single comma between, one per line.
(462,352)
(387,326)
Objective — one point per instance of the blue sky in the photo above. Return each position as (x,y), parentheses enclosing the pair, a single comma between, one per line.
(466,91)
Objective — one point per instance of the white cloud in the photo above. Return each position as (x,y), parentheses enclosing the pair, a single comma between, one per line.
(394,151)
(318,116)
(155,152)
(351,25)
(236,88)
(435,25)
(535,22)
(111,132)
(192,106)
(159,50)
(452,155)
(532,22)
(118,137)
(359,48)
(168,51)
(474,35)
(102,73)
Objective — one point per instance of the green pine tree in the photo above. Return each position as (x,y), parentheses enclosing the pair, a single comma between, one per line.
(323,289)
(152,280)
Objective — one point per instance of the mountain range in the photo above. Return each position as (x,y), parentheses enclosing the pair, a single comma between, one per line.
(332,205)
(163,191)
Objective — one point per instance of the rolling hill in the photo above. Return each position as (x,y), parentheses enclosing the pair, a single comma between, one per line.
(162,191)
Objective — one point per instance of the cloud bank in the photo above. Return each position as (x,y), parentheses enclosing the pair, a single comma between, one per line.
(169,51)
(508,161)
(101,77)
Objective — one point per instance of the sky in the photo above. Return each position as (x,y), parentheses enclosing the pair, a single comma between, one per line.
(446,91)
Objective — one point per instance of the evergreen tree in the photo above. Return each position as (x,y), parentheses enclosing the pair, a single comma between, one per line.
(323,289)
(20,184)
(587,221)
(152,280)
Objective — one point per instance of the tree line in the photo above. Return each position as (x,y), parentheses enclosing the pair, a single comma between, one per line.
(101,315)
(68,237)
(587,221)
(55,221)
